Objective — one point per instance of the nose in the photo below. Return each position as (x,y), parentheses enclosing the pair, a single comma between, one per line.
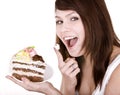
(65,27)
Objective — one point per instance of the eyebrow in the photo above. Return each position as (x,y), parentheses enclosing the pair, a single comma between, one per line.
(66,15)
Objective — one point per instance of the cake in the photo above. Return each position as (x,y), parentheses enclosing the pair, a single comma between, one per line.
(27,63)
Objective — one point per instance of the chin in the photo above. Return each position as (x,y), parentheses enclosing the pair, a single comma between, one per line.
(76,54)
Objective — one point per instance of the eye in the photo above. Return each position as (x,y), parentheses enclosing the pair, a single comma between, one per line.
(74,18)
(59,22)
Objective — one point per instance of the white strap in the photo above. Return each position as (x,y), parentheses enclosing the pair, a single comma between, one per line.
(109,72)
(106,78)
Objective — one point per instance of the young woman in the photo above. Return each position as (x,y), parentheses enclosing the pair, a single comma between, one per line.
(89,55)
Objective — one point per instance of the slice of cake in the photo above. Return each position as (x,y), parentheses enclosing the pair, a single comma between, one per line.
(27,63)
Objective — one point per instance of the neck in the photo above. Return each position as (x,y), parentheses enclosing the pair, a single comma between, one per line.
(88,61)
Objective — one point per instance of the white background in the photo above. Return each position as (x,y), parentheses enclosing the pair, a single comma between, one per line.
(31,22)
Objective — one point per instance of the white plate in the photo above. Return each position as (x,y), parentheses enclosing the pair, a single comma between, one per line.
(48,73)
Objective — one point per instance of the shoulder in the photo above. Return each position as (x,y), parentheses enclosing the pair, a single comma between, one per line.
(115,53)
(113,86)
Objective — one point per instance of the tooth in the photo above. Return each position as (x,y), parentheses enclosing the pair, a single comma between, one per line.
(67,38)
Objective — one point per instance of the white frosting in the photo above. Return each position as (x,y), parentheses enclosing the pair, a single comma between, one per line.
(28,67)
(57,46)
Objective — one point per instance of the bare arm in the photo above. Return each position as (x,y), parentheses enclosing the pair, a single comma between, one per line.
(113,86)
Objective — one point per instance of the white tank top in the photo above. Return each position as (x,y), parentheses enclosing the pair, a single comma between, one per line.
(106,78)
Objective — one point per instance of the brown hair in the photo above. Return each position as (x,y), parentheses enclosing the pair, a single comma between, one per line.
(99,34)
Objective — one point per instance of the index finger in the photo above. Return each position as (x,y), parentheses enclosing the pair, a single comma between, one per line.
(59,55)
(60,58)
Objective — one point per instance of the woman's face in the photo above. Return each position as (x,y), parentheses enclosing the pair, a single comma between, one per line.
(70,30)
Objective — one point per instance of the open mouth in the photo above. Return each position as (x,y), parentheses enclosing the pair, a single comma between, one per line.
(71,41)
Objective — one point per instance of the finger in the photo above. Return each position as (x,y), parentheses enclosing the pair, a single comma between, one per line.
(31,86)
(60,57)
(74,65)
(25,83)
(69,58)
(15,80)
(71,68)
(75,72)
(68,64)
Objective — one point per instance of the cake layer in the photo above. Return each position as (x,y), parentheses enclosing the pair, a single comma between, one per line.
(31,78)
(26,73)
(28,70)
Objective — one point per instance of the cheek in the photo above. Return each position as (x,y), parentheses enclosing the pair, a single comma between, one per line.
(80,29)
(58,31)
(81,33)
(58,34)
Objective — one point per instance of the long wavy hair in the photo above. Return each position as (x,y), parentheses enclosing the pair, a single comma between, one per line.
(99,35)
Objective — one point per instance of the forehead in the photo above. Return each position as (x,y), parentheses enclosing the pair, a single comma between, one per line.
(65,13)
